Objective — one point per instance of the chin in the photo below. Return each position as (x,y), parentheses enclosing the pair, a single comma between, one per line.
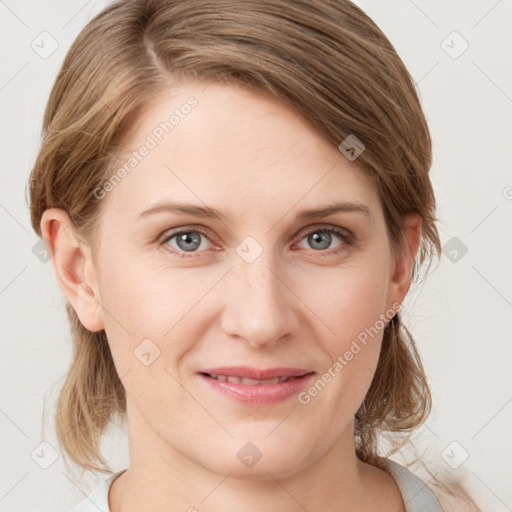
(264,470)
(259,457)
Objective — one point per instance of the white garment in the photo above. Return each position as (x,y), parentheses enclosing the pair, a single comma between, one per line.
(415,493)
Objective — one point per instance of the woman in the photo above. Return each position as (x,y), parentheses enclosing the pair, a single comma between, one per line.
(236,197)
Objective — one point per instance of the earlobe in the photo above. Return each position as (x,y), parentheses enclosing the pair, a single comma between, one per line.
(406,256)
(73,266)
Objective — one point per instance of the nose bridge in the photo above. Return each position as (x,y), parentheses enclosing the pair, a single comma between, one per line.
(258,306)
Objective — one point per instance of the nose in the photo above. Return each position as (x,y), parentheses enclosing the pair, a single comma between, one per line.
(259,304)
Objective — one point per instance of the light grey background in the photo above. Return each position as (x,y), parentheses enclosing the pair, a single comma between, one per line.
(460,316)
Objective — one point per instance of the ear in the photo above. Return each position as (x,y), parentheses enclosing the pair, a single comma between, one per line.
(405,257)
(73,266)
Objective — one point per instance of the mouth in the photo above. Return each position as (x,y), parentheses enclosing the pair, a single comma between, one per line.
(247,381)
(254,386)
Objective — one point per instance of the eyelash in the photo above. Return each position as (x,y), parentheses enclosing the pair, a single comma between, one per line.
(346,236)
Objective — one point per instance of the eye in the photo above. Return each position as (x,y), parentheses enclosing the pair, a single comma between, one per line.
(192,240)
(195,240)
(321,239)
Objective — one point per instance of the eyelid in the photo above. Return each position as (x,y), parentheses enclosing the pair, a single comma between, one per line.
(182,229)
(324,227)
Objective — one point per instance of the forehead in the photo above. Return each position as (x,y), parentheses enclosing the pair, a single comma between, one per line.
(231,147)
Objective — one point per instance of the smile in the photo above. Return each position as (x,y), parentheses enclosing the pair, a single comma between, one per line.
(252,386)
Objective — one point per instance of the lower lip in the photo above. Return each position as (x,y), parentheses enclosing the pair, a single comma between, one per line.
(259,393)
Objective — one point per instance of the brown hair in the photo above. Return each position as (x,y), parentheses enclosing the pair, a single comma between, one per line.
(326,60)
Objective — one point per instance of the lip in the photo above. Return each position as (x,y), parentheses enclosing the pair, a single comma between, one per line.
(257,393)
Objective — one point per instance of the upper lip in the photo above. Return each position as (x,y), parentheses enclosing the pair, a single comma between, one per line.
(255,373)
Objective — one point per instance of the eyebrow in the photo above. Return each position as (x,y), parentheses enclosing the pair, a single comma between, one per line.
(207,212)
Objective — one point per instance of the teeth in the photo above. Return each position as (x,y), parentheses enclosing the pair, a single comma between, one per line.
(249,382)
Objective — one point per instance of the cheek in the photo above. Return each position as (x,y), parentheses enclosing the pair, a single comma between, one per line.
(143,302)
(147,328)
(347,301)
(350,303)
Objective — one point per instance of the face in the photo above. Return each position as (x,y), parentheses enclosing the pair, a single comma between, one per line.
(265,284)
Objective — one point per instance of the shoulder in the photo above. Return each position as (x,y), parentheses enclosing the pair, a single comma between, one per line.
(438,495)
(451,503)
(416,494)
(97,500)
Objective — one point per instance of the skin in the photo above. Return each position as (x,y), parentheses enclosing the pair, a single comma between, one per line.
(296,305)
